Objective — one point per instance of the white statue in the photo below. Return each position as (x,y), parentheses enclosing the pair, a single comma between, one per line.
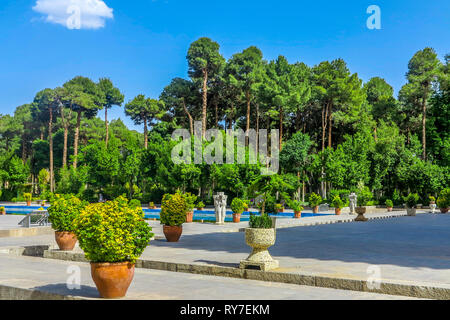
(353,202)
(220,204)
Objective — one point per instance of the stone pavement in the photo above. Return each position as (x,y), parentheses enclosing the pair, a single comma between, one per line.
(46,279)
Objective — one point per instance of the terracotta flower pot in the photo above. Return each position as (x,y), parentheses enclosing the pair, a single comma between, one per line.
(297,214)
(236,217)
(280,210)
(337,211)
(173,233)
(316,209)
(28,203)
(66,240)
(199,209)
(444,210)
(112,279)
(389,209)
(189,217)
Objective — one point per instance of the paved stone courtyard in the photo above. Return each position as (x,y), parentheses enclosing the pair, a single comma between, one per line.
(406,250)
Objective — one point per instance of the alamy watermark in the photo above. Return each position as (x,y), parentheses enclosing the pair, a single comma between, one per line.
(374,21)
(73,281)
(236,147)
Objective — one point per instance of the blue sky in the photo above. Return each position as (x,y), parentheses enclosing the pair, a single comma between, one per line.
(144,45)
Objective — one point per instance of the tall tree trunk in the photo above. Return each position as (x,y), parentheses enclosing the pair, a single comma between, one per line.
(324,124)
(247,127)
(50,142)
(66,135)
(330,123)
(281,127)
(375,135)
(424,127)
(257,128)
(145,133)
(77,136)
(216,104)
(107,127)
(191,120)
(205,101)
(24,149)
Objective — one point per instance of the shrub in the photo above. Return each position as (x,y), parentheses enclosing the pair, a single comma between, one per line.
(237,206)
(190,201)
(411,200)
(364,196)
(152,204)
(246,204)
(314,200)
(338,203)
(260,222)
(389,203)
(173,209)
(2,209)
(27,196)
(135,203)
(444,199)
(296,205)
(200,205)
(112,231)
(279,206)
(63,211)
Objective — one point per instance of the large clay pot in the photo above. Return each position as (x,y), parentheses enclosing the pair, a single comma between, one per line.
(280,210)
(389,209)
(337,211)
(316,209)
(411,212)
(236,217)
(200,209)
(297,214)
(28,203)
(444,210)
(361,211)
(173,233)
(112,279)
(190,217)
(66,240)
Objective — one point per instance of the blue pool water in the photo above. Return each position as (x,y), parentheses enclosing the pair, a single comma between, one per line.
(21,210)
(209,215)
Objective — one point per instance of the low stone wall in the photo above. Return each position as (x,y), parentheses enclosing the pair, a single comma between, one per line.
(25,232)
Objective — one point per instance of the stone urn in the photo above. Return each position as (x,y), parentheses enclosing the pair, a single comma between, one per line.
(411,212)
(260,240)
(361,211)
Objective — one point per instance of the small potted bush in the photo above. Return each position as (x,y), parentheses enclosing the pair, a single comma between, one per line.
(260,236)
(279,207)
(237,206)
(190,205)
(113,235)
(200,206)
(173,215)
(338,204)
(314,201)
(62,214)
(2,211)
(443,200)
(246,205)
(411,203)
(297,207)
(389,204)
(364,196)
(152,205)
(28,197)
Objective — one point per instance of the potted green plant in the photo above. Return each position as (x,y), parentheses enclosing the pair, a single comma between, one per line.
(237,206)
(112,235)
(62,214)
(364,196)
(389,204)
(411,203)
(279,207)
(2,211)
(246,205)
(260,236)
(200,206)
(297,207)
(338,204)
(443,200)
(173,215)
(152,205)
(28,197)
(314,201)
(190,205)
